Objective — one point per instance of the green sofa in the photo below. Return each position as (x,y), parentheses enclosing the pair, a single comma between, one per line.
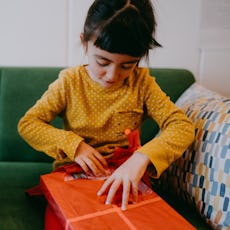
(21,166)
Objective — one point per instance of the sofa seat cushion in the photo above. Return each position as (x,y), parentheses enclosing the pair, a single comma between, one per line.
(19,211)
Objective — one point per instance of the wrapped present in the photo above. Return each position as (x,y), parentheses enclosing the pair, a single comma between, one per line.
(76,206)
(73,202)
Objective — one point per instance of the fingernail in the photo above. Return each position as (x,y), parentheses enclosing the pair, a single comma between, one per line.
(98,193)
(107,202)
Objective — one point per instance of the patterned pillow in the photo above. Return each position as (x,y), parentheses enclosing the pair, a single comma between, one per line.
(202,175)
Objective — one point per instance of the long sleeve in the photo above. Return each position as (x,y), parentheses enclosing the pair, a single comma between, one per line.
(35,126)
(177,131)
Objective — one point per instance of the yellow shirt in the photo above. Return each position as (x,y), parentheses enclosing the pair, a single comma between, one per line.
(100,115)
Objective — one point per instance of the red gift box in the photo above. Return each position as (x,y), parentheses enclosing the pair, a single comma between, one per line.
(74,204)
(77,206)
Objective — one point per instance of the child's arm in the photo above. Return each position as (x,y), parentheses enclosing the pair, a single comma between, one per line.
(176,129)
(35,125)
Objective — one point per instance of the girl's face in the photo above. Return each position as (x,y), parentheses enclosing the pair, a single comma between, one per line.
(108,69)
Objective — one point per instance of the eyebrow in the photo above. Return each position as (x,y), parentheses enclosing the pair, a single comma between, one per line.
(106,59)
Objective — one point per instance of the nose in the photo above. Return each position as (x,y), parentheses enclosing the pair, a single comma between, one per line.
(112,74)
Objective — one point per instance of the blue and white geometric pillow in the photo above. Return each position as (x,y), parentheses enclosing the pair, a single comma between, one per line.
(202,175)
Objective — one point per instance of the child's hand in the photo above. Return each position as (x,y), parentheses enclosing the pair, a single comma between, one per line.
(128,174)
(90,160)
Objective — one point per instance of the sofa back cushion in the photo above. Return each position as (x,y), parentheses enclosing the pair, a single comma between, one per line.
(19,90)
(21,87)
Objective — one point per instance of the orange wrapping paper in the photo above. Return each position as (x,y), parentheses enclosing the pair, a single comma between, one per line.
(77,206)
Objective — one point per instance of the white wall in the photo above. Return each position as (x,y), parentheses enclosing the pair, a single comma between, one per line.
(46,33)
(214,71)
(177,31)
(33,33)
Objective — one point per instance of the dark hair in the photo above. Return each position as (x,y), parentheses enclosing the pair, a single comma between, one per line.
(121,26)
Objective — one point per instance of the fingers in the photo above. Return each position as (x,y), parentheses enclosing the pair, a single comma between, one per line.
(105,186)
(114,186)
(126,191)
(83,165)
(94,165)
(135,191)
(101,159)
(90,160)
(127,176)
(125,194)
(112,191)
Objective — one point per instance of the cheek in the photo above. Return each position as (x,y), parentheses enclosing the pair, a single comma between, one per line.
(97,71)
(100,73)
(125,74)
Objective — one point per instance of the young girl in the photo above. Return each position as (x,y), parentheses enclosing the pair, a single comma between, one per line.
(98,101)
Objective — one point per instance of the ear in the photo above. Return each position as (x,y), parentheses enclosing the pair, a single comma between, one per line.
(83,42)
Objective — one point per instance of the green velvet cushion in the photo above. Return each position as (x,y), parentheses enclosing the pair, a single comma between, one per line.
(18,211)
(19,90)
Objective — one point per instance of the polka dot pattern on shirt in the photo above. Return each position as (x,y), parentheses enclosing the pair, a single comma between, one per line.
(100,115)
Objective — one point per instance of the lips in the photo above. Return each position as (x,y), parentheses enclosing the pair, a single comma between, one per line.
(109,83)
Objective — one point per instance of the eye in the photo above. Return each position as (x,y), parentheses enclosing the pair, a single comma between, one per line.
(128,66)
(102,62)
